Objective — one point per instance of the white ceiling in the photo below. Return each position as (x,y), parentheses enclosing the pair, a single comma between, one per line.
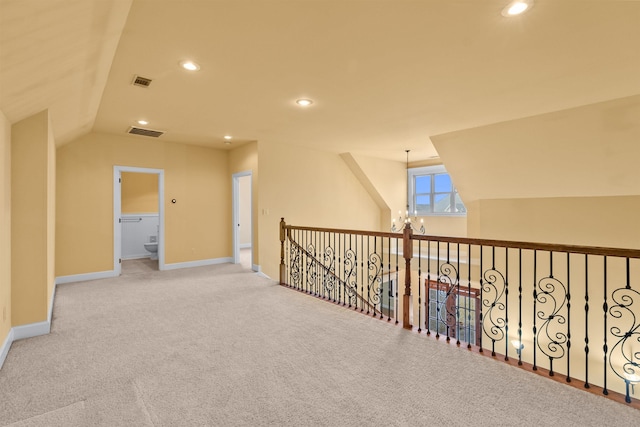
(385,75)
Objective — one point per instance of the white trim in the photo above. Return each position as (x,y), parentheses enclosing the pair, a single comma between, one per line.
(53,297)
(4,350)
(86,276)
(261,274)
(200,263)
(117,213)
(28,331)
(236,212)
(132,215)
(256,268)
(138,256)
(31,330)
(245,246)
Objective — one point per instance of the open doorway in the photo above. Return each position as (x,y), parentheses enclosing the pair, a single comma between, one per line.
(242,221)
(138,200)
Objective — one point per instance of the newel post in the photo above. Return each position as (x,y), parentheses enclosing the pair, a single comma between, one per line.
(407,251)
(282,236)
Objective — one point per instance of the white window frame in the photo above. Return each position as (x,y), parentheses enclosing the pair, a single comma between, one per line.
(427,170)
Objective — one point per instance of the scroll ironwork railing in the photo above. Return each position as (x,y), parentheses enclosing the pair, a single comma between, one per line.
(569,312)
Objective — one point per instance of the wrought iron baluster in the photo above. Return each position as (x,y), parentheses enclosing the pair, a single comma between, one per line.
(380,287)
(447,314)
(362,272)
(390,291)
(552,296)
(340,268)
(469,301)
(535,299)
(520,307)
(448,275)
(438,295)
(419,285)
(628,334)
(397,283)
(586,321)
(481,298)
(368,269)
(506,303)
(605,308)
(457,306)
(374,278)
(568,317)
(427,291)
(493,285)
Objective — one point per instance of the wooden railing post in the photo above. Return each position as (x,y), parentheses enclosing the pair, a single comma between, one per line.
(407,251)
(282,236)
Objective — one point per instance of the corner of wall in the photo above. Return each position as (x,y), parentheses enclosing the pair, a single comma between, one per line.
(6,333)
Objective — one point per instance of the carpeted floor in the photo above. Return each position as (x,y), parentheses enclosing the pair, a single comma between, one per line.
(222,346)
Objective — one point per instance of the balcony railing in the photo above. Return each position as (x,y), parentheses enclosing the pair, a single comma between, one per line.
(569,312)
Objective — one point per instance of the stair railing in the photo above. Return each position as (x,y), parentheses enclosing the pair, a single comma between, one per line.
(569,312)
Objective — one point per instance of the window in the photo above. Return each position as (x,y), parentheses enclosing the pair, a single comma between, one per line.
(431,192)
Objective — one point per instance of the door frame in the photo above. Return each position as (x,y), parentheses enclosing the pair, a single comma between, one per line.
(236,213)
(117,213)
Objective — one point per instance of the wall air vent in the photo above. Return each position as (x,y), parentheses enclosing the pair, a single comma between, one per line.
(145,132)
(141,81)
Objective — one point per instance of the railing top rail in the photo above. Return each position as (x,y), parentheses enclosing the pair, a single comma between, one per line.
(346,231)
(549,247)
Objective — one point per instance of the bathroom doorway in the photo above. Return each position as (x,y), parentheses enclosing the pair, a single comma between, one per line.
(138,200)
(242,220)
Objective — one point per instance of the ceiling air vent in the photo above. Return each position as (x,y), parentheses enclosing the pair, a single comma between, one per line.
(145,132)
(141,81)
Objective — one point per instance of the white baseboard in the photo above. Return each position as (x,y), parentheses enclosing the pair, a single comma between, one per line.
(245,245)
(31,330)
(85,277)
(261,274)
(4,350)
(199,263)
(28,331)
(256,268)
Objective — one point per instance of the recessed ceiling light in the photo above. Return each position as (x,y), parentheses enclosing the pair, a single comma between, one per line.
(189,65)
(304,102)
(227,137)
(143,122)
(517,7)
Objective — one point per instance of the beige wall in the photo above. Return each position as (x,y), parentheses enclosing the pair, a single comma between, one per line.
(139,192)
(565,177)
(196,226)
(5,228)
(592,221)
(307,188)
(33,218)
(242,159)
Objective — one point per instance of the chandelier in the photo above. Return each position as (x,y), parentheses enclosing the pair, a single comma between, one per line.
(406,220)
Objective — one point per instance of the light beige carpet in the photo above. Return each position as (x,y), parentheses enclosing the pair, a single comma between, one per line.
(222,346)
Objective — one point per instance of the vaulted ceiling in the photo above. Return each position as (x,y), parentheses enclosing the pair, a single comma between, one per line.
(384,75)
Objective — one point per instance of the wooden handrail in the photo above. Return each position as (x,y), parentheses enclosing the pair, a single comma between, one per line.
(514,244)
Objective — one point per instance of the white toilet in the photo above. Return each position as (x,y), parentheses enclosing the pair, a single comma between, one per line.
(153,248)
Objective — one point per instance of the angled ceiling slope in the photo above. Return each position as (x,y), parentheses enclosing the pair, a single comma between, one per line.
(56,55)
